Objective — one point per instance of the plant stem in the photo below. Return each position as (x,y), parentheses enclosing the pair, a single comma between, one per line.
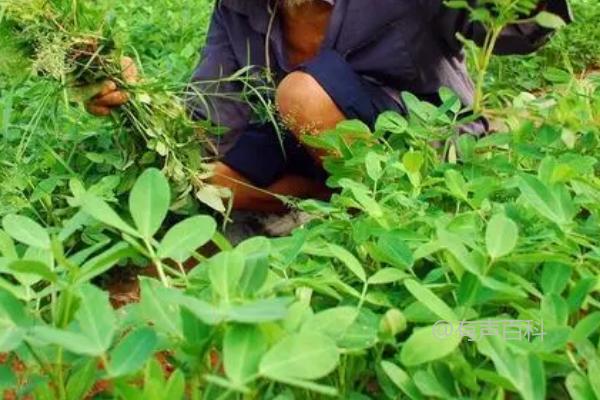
(363,295)
(195,387)
(183,274)
(66,310)
(483,65)
(157,263)
(60,374)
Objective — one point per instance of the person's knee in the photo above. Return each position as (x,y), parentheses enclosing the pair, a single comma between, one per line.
(305,106)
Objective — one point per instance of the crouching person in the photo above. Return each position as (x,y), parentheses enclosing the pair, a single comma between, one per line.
(330,60)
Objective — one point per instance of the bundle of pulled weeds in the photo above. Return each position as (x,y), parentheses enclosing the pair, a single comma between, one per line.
(71,43)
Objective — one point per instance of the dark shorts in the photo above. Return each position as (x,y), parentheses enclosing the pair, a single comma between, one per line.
(263,156)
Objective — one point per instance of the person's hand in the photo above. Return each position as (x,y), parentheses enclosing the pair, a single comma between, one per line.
(110,95)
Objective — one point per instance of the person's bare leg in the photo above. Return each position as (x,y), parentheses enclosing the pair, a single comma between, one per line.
(306,108)
(248,198)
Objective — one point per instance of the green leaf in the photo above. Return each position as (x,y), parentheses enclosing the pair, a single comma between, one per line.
(401,379)
(11,337)
(511,290)
(466,145)
(363,333)
(175,387)
(353,127)
(96,318)
(333,322)
(8,379)
(430,300)
(578,294)
(42,263)
(131,353)
(423,110)
(424,346)
(75,342)
(501,236)
(73,224)
(213,197)
(555,277)
(149,202)
(158,307)
(413,161)
(13,322)
(456,185)
(84,254)
(349,261)
(98,209)
(579,386)
(154,381)
(256,252)
(243,348)
(259,311)
(224,383)
(373,165)
(27,231)
(103,262)
(457,249)
(205,312)
(303,356)
(586,327)
(489,376)
(549,20)
(525,372)
(593,374)
(559,76)
(429,384)
(391,122)
(36,268)
(554,311)
(197,334)
(550,203)
(81,380)
(186,237)
(532,382)
(392,249)
(364,197)
(387,275)
(7,246)
(225,271)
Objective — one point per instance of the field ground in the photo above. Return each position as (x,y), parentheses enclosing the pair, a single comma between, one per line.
(116,283)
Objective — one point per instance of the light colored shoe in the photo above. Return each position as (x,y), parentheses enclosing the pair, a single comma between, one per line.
(284,225)
(243,225)
(248,224)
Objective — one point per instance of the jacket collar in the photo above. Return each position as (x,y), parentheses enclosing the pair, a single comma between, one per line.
(257,11)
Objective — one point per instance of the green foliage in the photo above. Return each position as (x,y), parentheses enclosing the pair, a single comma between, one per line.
(64,50)
(425,225)
(494,16)
(575,49)
(507,231)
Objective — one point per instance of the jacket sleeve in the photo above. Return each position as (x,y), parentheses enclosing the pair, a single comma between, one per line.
(211,95)
(515,39)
